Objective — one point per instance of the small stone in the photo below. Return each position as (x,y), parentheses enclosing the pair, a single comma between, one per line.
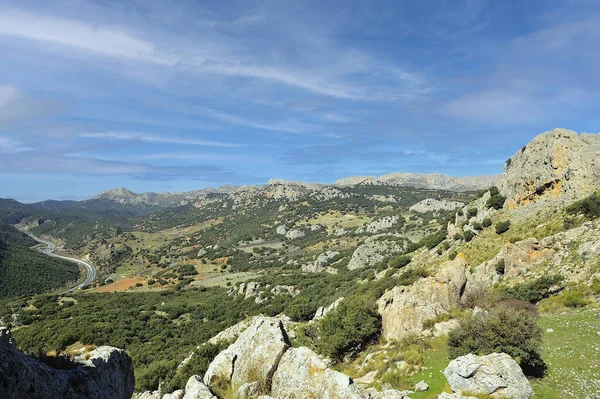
(421,386)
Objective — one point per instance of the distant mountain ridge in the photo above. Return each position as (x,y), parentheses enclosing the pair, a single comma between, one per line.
(435,181)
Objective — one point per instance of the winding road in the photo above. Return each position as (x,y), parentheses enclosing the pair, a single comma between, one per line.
(90,269)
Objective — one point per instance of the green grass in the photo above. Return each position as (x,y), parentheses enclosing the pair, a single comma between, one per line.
(435,361)
(572,352)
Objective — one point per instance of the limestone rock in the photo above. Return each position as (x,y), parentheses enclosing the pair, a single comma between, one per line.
(404,309)
(373,250)
(445,327)
(178,394)
(293,234)
(253,357)
(368,378)
(195,389)
(322,311)
(281,230)
(321,263)
(557,165)
(302,375)
(433,205)
(445,395)
(421,386)
(107,373)
(248,390)
(382,224)
(496,374)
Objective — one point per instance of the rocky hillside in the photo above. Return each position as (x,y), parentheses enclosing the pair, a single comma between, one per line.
(159,200)
(370,291)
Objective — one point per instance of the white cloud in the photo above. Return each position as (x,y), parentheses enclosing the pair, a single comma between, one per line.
(153,138)
(10,145)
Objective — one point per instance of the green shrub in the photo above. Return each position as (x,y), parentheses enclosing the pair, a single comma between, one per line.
(496,201)
(348,328)
(574,299)
(494,191)
(595,286)
(502,227)
(477,226)
(500,266)
(533,291)
(471,213)
(509,329)
(452,255)
(468,235)
(399,261)
(590,207)
(487,222)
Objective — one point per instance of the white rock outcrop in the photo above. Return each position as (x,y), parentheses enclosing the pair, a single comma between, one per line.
(105,372)
(433,205)
(496,374)
(404,309)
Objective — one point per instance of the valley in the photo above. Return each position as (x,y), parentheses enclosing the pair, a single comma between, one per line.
(379,282)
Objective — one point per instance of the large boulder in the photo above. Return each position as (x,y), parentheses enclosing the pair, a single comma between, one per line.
(496,374)
(195,389)
(302,375)
(404,309)
(253,357)
(105,372)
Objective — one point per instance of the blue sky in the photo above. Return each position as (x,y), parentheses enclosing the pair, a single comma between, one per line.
(174,96)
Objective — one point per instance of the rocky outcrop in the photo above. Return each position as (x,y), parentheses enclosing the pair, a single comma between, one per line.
(322,311)
(496,374)
(301,374)
(253,357)
(105,372)
(262,364)
(293,234)
(321,263)
(195,389)
(556,165)
(379,225)
(373,250)
(433,205)
(404,309)
(281,230)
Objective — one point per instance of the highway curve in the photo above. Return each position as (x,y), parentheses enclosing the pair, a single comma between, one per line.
(90,273)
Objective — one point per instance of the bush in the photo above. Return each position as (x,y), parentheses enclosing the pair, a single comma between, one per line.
(487,222)
(505,328)
(533,291)
(589,207)
(494,191)
(496,201)
(595,286)
(452,255)
(468,235)
(348,328)
(471,213)
(399,261)
(574,299)
(502,227)
(477,226)
(151,281)
(500,266)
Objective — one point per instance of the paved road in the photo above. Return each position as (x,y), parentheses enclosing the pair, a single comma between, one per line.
(90,274)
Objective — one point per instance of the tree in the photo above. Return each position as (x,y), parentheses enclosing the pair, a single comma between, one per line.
(506,328)
(589,207)
(496,201)
(348,328)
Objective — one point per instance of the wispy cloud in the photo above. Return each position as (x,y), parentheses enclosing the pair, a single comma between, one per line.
(153,138)
(10,145)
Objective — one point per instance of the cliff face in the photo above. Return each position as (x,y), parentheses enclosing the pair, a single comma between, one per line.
(558,165)
(107,373)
